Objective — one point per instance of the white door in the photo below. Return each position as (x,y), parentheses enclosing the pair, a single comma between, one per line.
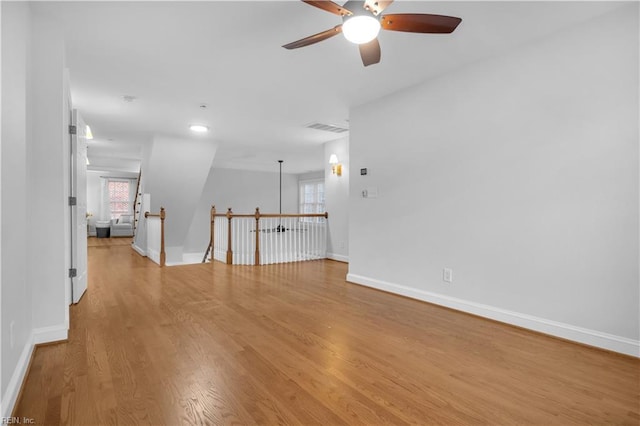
(79,210)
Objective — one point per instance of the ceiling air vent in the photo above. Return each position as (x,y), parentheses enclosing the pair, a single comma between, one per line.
(327,127)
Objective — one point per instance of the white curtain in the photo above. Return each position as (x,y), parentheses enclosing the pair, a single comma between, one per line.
(105,205)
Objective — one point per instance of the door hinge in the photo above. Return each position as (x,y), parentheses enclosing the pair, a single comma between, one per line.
(73,201)
(73,130)
(73,272)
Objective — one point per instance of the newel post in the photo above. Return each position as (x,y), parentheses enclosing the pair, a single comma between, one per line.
(229,251)
(163,256)
(257,259)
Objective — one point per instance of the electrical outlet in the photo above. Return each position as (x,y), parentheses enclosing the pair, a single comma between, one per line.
(447,275)
(11,340)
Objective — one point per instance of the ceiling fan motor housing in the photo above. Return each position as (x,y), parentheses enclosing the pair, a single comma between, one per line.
(358,9)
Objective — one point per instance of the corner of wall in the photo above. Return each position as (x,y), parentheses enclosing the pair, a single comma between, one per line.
(338,257)
(337,199)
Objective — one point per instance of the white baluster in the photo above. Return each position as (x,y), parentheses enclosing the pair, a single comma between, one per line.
(271,242)
(325,227)
(295,239)
(246,239)
(305,240)
(288,241)
(241,225)
(315,240)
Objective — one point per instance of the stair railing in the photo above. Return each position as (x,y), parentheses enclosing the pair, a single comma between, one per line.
(259,239)
(136,207)
(211,234)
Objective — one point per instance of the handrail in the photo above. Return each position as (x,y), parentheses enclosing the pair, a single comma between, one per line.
(161,215)
(229,215)
(325,214)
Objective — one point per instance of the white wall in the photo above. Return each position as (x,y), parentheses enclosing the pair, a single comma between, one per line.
(93,196)
(317,175)
(48,160)
(175,177)
(1,329)
(243,191)
(35,146)
(521,174)
(337,200)
(16,293)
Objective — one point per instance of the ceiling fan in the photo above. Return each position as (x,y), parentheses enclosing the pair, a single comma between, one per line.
(361,22)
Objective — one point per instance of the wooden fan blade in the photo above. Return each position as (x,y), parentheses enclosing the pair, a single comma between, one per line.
(420,23)
(329,6)
(377,6)
(314,38)
(370,52)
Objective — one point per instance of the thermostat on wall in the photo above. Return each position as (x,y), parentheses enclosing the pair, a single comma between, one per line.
(363,172)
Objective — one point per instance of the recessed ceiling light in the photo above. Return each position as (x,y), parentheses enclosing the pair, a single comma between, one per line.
(200,128)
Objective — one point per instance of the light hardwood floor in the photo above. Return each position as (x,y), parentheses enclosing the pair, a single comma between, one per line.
(296,344)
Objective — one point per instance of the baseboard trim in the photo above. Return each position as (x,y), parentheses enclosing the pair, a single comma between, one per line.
(154,255)
(338,257)
(565,331)
(139,250)
(192,258)
(15,384)
(37,337)
(51,334)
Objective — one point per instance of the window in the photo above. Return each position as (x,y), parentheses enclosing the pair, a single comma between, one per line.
(312,198)
(119,198)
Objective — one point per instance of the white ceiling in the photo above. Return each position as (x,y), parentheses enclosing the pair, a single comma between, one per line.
(175,56)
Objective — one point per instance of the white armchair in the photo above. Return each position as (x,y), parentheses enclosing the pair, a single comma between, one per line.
(122,227)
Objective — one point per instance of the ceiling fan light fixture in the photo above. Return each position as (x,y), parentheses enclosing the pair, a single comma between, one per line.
(360,29)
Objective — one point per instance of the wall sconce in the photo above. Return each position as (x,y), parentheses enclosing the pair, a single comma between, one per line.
(336,168)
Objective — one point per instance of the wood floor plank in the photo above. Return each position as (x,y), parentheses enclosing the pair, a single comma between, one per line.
(296,344)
